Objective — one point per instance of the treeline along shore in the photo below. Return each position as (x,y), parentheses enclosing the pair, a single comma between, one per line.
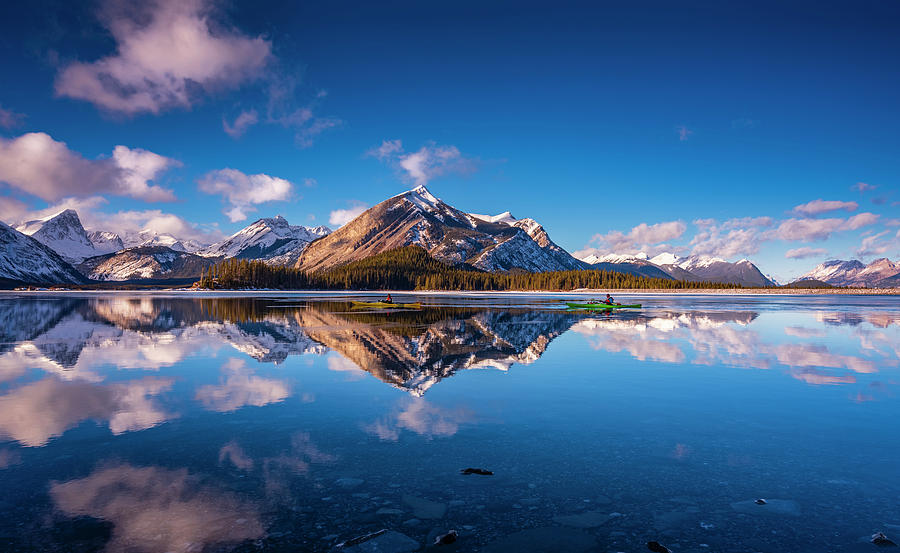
(412,268)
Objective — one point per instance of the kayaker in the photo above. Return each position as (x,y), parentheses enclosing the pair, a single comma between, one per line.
(610,300)
(389,299)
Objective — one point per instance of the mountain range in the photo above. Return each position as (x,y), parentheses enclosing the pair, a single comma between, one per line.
(881,273)
(67,253)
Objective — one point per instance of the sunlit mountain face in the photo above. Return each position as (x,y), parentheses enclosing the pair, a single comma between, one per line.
(293,422)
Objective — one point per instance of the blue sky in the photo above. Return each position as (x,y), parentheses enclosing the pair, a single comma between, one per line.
(695,128)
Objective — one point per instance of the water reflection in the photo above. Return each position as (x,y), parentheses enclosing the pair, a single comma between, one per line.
(155,424)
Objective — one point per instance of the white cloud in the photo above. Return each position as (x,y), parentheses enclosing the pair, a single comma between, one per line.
(10,119)
(240,388)
(640,238)
(426,163)
(879,244)
(804,252)
(817,207)
(731,238)
(166,53)
(340,217)
(242,122)
(806,230)
(860,220)
(244,191)
(48,169)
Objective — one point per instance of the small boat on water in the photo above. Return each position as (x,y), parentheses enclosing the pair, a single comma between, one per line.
(386,305)
(601,305)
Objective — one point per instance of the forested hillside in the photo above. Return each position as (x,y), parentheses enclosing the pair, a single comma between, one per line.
(411,268)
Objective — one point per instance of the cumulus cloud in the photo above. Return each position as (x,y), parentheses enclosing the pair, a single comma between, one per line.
(643,237)
(863,187)
(34,413)
(419,416)
(241,388)
(244,191)
(10,119)
(426,163)
(48,169)
(340,217)
(878,244)
(168,52)
(808,230)
(242,122)
(731,238)
(154,509)
(817,207)
(804,252)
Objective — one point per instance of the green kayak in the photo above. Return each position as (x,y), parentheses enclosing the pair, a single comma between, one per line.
(386,305)
(601,306)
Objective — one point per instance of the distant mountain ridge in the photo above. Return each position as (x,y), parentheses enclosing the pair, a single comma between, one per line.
(692,269)
(880,273)
(272,240)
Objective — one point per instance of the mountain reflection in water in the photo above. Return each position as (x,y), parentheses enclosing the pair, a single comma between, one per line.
(208,423)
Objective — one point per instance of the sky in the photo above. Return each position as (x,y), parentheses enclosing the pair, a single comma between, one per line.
(759,130)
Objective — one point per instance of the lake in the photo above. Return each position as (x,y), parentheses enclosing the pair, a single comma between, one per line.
(294,422)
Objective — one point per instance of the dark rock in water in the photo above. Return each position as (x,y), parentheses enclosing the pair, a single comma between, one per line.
(881,540)
(482,472)
(446,539)
(657,547)
(383,541)
(760,501)
(544,540)
(772,507)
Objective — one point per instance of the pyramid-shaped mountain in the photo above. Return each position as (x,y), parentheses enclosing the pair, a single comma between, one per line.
(416,217)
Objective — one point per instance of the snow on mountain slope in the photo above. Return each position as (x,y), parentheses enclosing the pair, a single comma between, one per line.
(105,242)
(145,262)
(270,239)
(853,273)
(714,269)
(22,258)
(148,238)
(417,217)
(63,233)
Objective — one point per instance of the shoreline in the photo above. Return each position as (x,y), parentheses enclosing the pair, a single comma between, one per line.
(579,292)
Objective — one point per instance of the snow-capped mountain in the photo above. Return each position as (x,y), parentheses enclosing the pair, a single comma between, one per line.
(148,238)
(105,242)
(692,269)
(416,217)
(63,233)
(24,259)
(854,273)
(536,232)
(714,269)
(633,264)
(270,239)
(145,262)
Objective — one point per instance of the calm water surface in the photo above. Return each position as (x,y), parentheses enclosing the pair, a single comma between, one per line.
(158,423)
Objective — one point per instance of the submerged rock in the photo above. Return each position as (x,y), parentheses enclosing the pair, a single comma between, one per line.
(543,540)
(760,501)
(424,508)
(589,519)
(657,547)
(482,472)
(783,507)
